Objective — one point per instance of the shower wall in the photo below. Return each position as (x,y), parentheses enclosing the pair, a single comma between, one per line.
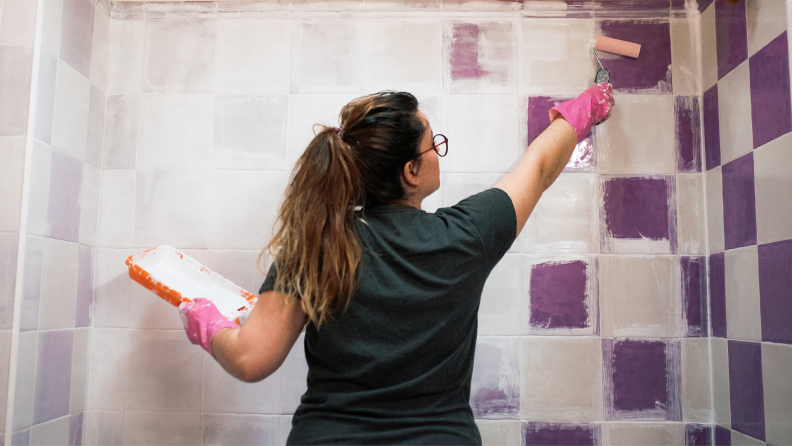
(747,124)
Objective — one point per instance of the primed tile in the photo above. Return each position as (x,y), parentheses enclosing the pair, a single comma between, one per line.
(53,375)
(24,393)
(116,220)
(109,361)
(745,388)
(228,429)
(773,187)
(252,56)
(732,36)
(51,26)
(103,427)
(45,99)
(479,57)
(96,107)
(175,131)
(738,439)
(31,295)
(739,203)
(498,314)
(81,355)
(16,63)
(403,56)
(555,57)
(50,433)
(643,433)
(119,148)
(685,57)
(179,56)
(713,182)
(691,207)
(113,288)
(70,115)
(696,393)
(771,111)
(41,165)
(63,207)
(495,389)
(222,393)
(776,363)
(734,107)
(709,47)
(775,288)
(8,268)
(250,132)
(58,284)
(162,428)
(125,56)
(742,294)
(239,267)
(326,57)
(12,168)
(85,286)
(100,47)
(77,35)
(764,22)
(18,23)
(499,432)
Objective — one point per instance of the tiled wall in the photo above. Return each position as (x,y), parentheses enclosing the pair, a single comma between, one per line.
(747,124)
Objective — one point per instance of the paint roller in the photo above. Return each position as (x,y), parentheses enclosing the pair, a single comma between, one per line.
(614,46)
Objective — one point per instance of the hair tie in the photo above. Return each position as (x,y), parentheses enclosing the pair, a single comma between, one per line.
(340,131)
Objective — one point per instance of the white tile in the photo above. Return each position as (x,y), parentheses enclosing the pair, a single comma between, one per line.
(765,20)
(685,57)
(776,363)
(171,208)
(12,168)
(162,428)
(656,434)
(222,393)
(227,429)
(96,109)
(77,35)
(252,56)
(720,381)
(9,244)
(696,388)
(50,433)
(293,374)
(738,439)
(561,379)
(709,48)
(495,51)
(125,56)
(326,57)
(773,185)
(734,106)
(101,48)
(403,56)
(691,235)
(743,318)
(482,133)
(81,353)
(495,385)
(5,351)
(479,6)
(566,218)
(639,296)
(499,432)
(636,138)
(119,142)
(113,288)
(41,164)
(26,379)
(115,223)
(16,63)
(556,57)
(58,304)
(179,56)
(103,427)
(500,299)
(240,267)
(70,116)
(89,204)
(305,110)
(51,25)
(175,131)
(714,199)
(108,370)
(151,384)
(18,22)
(250,132)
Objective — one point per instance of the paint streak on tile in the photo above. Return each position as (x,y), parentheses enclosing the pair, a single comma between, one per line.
(540,434)
(636,208)
(694,295)
(746,388)
(712,128)
(771,109)
(558,295)
(495,389)
(688,133)
(481,57)
(739,202)
(717,283)
(582,159)
(775,291)
(464,52)
(650,72)
(731,31)
(698,435)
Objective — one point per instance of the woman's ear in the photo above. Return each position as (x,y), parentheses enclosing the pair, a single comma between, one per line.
(410,175)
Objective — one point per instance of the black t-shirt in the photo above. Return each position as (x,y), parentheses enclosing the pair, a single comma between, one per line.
(396,366)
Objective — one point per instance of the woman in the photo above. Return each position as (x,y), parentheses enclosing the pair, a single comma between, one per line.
(389,293)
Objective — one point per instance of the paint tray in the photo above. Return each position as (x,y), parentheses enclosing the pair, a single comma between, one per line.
(178,278)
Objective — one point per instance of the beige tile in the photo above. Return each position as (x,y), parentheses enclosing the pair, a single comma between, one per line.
(89,204)
(691,209)
(239,266)
(108,375)
(100,48)
(120,136)
(325,57)
(720,381)
(103,427)
(644,434)
(765,20)
(696,387)
(743,317)
(499,432)
(713,183)
(639,296)
(162,428)
(179,56)
(499,310)
(738,439)
(58,300)
(18,22)
(734,106)
(26,380)
(403,56)
(12,168)
(52,15)
(116,219)
(50,433)
(81,355)
(70,115)
(233,429)
(561,379)
(125,56)
(709,48)
(222,393)
(555,56)
(685,57)
(777,382)
(175,131)
(250,132)
(252,56)
(773,185)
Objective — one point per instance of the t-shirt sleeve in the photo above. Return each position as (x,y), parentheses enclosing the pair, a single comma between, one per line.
(491,213)
(269,282)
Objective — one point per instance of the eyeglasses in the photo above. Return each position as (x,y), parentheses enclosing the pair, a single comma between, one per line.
(440,145)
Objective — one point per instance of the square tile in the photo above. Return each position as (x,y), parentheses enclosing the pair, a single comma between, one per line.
(103,427)
(24,394)
(119,146)
(109,360)
(250,132)
(162,428)
(8,269)
(479,57)
(70,114)
(694,295)
(402,55)
(116,220)
(76,428)
(696,390)
(85,286)
(739,203)
(717,284)
(541,433)
(722,436)
(688,133)
(53,375)
(500,298)
(484,132)
(732,35)
(58,302)
(495,388)
(51,29)
(646,74)
(179,56)
(306,110)
(18,23)
(89,204)
(222,393)
(691,209)
(80,368)
(628,434)
(96,106)
(228,429)
(45,99)
(742,294)
(175,131)
(773,187)
(698,434)
(771,110)
(455,187)
(21,437)
(41,165)
(711,117)
(63,207)
(252,56)
(636,140)
(555,56)
(31,288)
(734,107)
(125,56)
(709,46)
(745,388)
(499,432)
(77,35)
(100,47)
(738,439)
(561,378)
(560,296)
(536,111)
(12,169)
(638,215)
(775,291)
(51,432)
(113,288)
(764,22)
(714,202)
(325,57)
(776,363)
(16,63)
(640,296)
(685,57)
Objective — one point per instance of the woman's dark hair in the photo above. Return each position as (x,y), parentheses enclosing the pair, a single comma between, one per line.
(356,165)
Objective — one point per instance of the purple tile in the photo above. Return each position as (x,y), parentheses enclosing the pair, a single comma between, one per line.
(541,434)
(639,375)
(722,436)
(703,4)
(637,207)
(775,291)
(739,202)
(21,438)
(53,375)
(84,286)
(717,284)
(77,35)
(75,429)
(45,99)
(771,110)
(688,133)
(464,52)
(495,388)
(694,294)
(558,295)
(698,435)
(711,128)
(539,120)
(8,267)
(652,71)
(63,210)
(34,258)
(746,391)
(731,32)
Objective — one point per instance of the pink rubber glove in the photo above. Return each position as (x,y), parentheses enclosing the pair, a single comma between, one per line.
(590,108)
(202,320)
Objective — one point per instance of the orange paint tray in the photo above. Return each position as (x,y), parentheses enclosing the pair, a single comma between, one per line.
(178,278)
